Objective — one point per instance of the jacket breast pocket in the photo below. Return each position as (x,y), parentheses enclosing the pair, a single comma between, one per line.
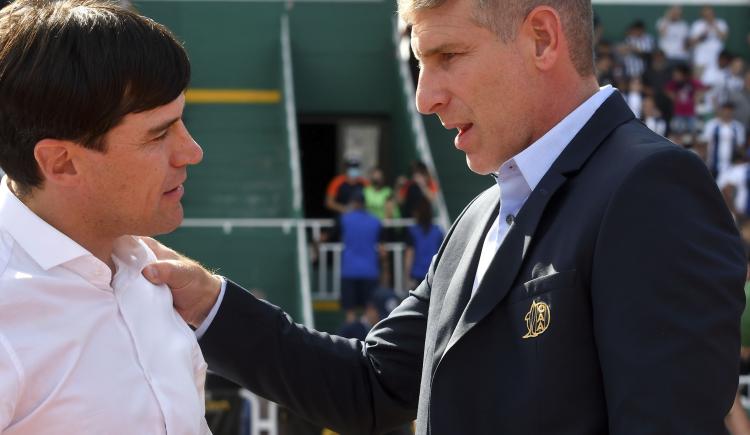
(544,284)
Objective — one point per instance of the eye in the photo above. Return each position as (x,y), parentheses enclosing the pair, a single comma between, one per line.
(161,136)
(448,56)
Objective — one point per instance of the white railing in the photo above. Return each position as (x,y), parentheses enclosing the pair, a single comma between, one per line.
(303,261)
(329,258)
(329,283)
(261,423)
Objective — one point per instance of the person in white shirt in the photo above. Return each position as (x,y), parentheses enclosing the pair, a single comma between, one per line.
(636,49)
(725,136)
(734,183)
(673,35)
(707,36)
(99,153)
(653,118)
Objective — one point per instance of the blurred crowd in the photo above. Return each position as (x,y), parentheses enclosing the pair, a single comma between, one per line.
(364,205)
(681,81)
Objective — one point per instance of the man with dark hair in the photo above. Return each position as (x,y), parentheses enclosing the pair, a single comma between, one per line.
(94,147)
(597,289)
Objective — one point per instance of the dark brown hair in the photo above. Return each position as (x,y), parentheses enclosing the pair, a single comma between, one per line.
(72,69)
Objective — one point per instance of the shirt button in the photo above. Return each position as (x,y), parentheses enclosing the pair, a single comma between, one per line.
(510,219)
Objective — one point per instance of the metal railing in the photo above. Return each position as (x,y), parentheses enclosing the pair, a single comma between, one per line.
(310,233)
(329,275)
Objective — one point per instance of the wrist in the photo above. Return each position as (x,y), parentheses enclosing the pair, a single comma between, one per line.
(214,284)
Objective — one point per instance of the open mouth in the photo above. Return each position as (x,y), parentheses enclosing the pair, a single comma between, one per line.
(176,191)
(464,128)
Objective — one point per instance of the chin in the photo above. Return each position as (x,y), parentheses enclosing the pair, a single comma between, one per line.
(165,225)
(479,167)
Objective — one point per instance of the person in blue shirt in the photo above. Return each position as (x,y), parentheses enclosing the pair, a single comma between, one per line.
(360,261)
(423,240)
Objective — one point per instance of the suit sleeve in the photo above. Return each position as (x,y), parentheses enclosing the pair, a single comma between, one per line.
(667,295)
(350,386)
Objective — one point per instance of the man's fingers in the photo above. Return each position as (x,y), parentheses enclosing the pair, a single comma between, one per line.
(174,273)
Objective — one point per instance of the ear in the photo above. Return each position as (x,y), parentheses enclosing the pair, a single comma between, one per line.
(55,160)
(544,28)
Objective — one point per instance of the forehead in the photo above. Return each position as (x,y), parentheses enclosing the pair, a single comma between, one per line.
(157,115)
(451,22)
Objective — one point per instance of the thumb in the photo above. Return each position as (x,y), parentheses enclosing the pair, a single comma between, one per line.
(173,273)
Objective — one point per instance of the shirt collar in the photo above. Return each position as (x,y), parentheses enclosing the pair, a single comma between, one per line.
(132,253)
(537,158)
(35,235)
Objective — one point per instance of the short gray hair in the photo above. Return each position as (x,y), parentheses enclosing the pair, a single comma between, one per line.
(505,16)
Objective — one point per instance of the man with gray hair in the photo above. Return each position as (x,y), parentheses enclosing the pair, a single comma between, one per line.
(596,289)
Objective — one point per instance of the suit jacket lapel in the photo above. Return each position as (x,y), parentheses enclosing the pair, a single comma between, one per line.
(508,260)
(473,229)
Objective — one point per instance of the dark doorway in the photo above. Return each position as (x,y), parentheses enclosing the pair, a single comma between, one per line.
(318,143)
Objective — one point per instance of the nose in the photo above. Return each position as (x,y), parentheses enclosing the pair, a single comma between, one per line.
(187,151)
(431,97)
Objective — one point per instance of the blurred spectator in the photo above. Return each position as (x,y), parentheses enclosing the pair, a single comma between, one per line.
(652,117)
(741,101)
(683,90)
(673,35)
(637,49)
(420,186)
(423,240)
(655,80)
(599,29)
(735,81)
(605,73)
(634,96)
(379,198)
(733,183)
(343,187)
(379,306)
(718,81)
(725,137)
(707,36)
(360,260)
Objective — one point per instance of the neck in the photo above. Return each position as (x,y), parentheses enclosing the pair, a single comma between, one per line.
(557,102)
(61,213)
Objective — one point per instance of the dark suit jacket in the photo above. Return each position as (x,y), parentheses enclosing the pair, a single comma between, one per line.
(612,306)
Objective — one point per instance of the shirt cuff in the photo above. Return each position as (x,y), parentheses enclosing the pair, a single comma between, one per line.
(211,314)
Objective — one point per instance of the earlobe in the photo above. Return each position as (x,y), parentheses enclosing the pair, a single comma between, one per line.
(55,160)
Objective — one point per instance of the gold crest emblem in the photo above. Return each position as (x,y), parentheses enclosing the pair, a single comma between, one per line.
(537,319)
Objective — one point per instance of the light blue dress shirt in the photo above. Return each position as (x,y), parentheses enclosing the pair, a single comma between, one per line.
(519,176)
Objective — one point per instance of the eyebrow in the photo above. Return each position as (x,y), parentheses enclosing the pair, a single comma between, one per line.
(447,47)
(163,126)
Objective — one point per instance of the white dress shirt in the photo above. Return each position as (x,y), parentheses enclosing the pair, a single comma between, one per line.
(519,176)
(82,352)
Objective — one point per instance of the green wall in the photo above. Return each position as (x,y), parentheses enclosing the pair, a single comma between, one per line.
(617,18)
